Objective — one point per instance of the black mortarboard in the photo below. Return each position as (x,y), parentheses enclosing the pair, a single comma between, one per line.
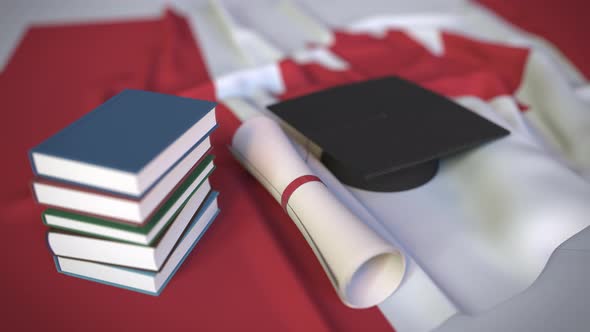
(385,134)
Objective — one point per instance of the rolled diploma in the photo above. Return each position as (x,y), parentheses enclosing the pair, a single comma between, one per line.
(363,267)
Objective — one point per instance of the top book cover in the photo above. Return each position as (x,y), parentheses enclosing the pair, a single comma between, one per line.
(126,144)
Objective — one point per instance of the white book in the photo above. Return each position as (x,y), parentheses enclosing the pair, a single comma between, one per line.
(124,208)
(146,234)
(150,282)
(127,254)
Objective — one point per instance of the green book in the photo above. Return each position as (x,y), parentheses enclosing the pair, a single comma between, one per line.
(146,234)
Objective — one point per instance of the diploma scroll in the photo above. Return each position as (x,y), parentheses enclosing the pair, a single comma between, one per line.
(363,267)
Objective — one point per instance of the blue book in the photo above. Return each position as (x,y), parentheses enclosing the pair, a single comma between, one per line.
(127,144)
(149,282)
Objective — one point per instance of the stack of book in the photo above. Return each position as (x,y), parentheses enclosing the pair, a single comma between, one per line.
(127,188)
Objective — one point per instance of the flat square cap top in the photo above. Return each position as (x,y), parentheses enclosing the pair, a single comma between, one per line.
(376,128)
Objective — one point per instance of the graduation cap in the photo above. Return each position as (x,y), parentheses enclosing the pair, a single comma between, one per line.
(385,134)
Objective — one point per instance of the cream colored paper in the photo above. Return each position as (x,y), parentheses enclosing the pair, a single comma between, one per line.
(363,267)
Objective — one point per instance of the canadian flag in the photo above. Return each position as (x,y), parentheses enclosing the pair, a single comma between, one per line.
(478,235)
